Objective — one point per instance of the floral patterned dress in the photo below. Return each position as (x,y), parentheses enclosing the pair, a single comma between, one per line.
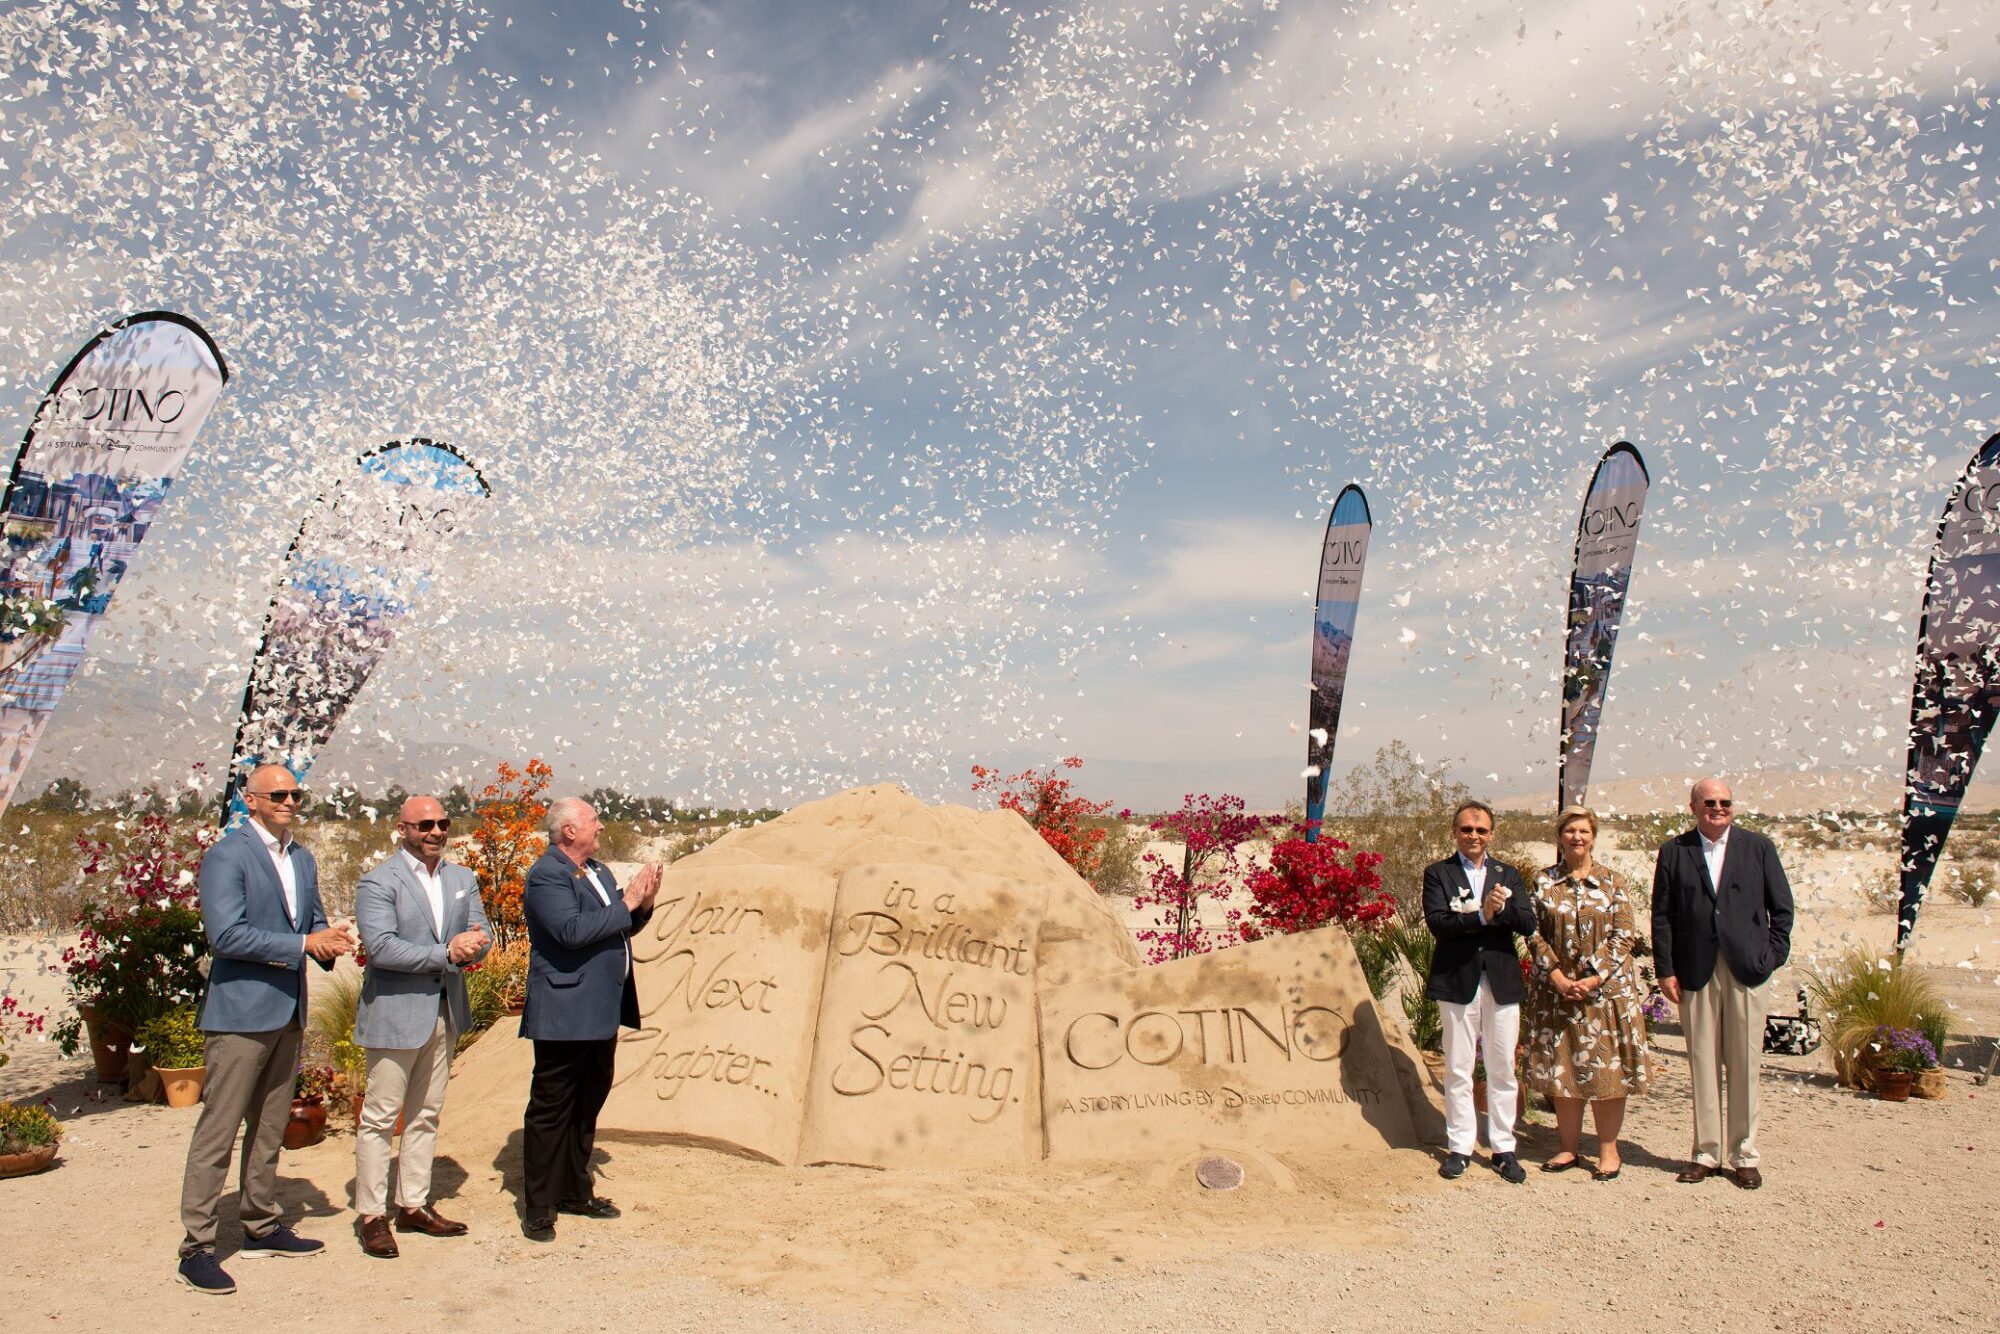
(1596,1047)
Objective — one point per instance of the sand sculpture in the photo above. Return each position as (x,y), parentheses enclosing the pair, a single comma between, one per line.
(873,981)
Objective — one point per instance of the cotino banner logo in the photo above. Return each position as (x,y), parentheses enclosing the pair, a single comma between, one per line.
(1956,691)
(1343,557)
(358,565)
(86,487)
(1607,538)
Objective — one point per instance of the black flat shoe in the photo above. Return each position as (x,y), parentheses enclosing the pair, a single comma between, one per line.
(539,1225)
(594,1207)
(1553,1166)
(1612,1175)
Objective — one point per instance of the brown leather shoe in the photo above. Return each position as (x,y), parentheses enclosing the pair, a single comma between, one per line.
(376,1239)
(1749,1178)
(429,1222)
(1694,1172)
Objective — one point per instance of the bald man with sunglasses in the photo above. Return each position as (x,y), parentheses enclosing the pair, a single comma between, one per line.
(1722,924)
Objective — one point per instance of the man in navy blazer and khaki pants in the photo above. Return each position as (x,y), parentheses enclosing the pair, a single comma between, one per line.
(421,925)
(580,990)
(261,910)
(1722,924)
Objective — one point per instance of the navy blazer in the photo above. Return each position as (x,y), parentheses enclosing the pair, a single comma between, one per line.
(256,975)
(1467,948)
(580,986)
(1746,921)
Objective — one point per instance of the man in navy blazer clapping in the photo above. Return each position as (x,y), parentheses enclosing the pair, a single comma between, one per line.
(580,990)
(260,907)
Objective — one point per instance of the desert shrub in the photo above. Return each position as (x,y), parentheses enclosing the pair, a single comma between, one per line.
(1402,807)
(172,1041)
(1377,953)
(501,979)
(1974,884)
(1883,892)
(25,1126)
(1118,870)
(1861,993)
(41,869)
(1417,946)
(624,841)
(331,1028)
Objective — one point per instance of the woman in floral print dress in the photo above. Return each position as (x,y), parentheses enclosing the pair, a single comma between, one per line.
(1582,1027)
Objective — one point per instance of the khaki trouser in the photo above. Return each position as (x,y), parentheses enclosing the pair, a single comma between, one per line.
(410,1083)
(1724,1023)
(249,1086)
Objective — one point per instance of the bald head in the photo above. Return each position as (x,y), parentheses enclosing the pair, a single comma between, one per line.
(424,829)
(1712,806)
(273,797)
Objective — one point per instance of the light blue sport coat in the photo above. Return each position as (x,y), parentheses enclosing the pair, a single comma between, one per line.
(408,967)
(256,975)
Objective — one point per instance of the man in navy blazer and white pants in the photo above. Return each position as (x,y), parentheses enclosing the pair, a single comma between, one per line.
(261,910)
(580,990)
(421,925)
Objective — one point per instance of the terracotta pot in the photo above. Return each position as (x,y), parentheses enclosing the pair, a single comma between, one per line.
(110,1044)
(1893,1085)
(514,1007)
(22,1164)
(182,1087)
(1929,1084)
(307,1126)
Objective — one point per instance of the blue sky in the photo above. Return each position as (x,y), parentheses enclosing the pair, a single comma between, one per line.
(873,390)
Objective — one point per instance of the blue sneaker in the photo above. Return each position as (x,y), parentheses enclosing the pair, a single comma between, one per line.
(205,1274)
(280,1242)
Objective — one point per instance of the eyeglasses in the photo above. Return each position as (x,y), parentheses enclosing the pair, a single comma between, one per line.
(1474,829)
(425,826)
(294,795)
(1716,803)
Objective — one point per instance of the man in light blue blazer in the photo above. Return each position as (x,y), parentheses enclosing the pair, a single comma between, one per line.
(261,910)
(421,925)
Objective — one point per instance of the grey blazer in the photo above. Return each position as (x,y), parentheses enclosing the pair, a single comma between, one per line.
(408,969)
(256,977)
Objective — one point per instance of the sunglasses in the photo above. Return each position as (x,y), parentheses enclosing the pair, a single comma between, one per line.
(294,795)
(425,826)
(1474,829)
(1716,803)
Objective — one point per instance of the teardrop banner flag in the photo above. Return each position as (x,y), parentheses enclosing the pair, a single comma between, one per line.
(362,558)
(1956,693)
(88,483)
(1607,536)
(1341,559)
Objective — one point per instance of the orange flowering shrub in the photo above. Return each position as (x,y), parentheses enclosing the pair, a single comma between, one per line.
(506,842)
(1043,798)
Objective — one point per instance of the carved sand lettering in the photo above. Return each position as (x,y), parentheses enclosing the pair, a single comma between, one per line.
(943,1005)
(940,1071)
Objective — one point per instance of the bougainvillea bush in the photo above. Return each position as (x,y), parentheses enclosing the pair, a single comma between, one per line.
(1212,832)
(1044,799)
(141,941)
(1311,885)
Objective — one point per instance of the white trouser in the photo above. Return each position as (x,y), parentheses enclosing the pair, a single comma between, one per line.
(1496,1028)
(410,1083)
(1724,1023)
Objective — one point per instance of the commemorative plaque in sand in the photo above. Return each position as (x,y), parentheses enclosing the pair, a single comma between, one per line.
(732,962)
(1276,1043)
(928,1050)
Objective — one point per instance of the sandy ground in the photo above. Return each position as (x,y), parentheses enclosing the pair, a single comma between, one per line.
(1873,1216)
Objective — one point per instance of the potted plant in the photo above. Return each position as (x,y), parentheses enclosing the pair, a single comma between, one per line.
(1901,1054)
(29,1133)
(141,942)
(177,1048)
(311,1088)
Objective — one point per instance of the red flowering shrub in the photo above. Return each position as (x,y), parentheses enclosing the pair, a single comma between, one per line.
(1211,832)
(1311,885)
(1045,801)
(141,942)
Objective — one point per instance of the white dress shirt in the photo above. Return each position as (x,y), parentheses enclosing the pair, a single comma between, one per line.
(433,886)
(288,876)
(604,897)
(1713,853)
(1475,879)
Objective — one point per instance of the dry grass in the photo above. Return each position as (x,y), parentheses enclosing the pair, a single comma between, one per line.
(1861,993)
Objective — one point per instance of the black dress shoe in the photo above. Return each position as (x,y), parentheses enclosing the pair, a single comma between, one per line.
(594,1207)
(1454,1165)
(539,1225)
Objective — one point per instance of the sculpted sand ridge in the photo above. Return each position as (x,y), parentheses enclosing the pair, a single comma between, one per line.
(869,980)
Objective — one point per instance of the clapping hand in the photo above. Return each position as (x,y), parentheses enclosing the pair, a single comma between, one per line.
(1496,899)
(464,947)
(330,943)
(644,886)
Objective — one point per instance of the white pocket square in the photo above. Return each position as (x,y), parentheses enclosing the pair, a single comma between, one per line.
(461,894)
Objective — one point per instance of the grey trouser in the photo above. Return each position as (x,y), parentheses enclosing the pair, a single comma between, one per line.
(249,1087)
(410,1083)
